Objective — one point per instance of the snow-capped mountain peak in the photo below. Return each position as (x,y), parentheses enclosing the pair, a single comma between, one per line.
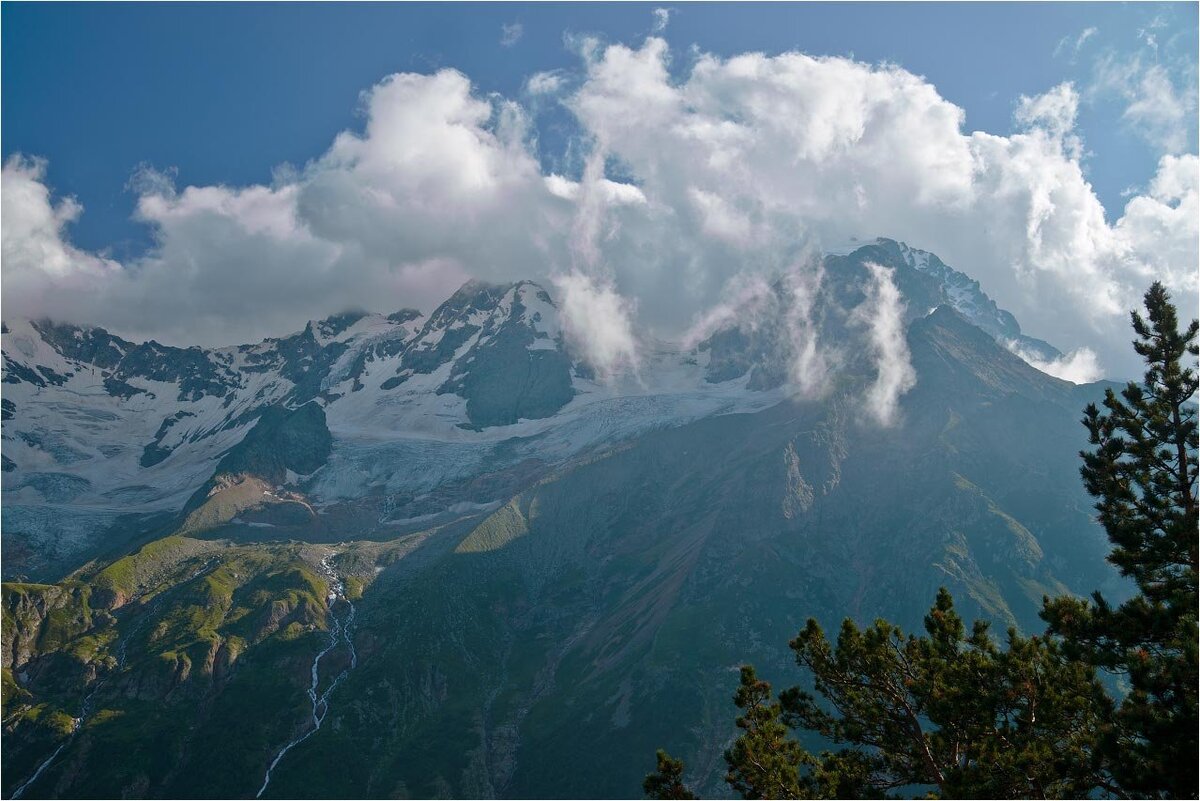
(97,427)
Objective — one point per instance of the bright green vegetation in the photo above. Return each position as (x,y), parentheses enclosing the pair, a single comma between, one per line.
(151,564)
(200,652)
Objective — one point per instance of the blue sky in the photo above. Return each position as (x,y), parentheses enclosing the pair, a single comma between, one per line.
(223,93)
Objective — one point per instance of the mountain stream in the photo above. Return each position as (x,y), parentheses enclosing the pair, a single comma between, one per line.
(340,631)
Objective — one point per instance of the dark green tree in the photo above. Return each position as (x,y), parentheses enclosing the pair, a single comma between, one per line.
(1143,472)
(764,761)
(950,711)
(667,780)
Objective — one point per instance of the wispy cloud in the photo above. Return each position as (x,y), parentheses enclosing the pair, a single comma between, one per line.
(811,363)
(662,16)
(511,33)
(545,83)
(883,314)
(1158,107)
(1071,45)
(1148,35)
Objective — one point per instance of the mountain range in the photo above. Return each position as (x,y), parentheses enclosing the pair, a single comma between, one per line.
(431,556)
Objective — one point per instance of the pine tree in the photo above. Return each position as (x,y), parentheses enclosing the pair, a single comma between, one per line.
(667,780)
(1143,472)
(951,711)
(763,762)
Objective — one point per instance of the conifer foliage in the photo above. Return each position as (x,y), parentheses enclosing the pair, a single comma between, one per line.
(667,779)
(950,709)
(763,762)
(1143,473)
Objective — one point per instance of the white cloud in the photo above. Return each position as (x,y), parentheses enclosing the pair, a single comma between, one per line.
(1158,109)
(1079,366)
(400,214)
(545,83)
(1053,112)
(733,170)
(883,314)
(768,152)
(752,303)
(1159,229)
(41,268)
(662,16)
(598,322)
(1148,36)
(511,33)
(811,367)
(1074,45)
(611,192)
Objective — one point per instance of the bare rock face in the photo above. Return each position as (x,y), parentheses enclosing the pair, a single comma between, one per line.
(798,497)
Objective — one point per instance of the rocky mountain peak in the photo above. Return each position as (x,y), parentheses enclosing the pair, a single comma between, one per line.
(765,338)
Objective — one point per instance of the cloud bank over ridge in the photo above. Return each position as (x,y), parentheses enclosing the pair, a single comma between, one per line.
(739,168)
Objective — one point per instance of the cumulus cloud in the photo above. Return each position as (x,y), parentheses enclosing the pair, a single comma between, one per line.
(439,186)
(882,312)
(1053,112)
(41,267)
(511,33)
(755,153)
(1160,228)
(732,170)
